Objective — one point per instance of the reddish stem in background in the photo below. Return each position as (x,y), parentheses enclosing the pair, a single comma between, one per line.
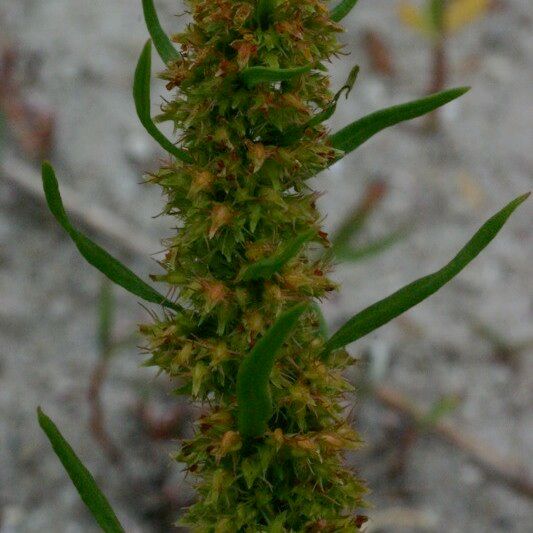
(31,123)
(97,415)
(439,77)
(379,53)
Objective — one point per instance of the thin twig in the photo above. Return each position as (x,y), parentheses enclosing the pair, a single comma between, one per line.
(106,348)
(97,416)
(508,471)
(439,61)
(439,77)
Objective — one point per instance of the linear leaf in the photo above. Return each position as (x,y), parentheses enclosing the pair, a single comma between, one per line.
(394,305)
(141,96)
(264,12)
(342,9)
(162,43)
(84,482)
(355,134)
(267,267)
(251,76)
(95,255)
(253,389)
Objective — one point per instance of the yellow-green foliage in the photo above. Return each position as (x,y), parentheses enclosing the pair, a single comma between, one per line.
(243,195)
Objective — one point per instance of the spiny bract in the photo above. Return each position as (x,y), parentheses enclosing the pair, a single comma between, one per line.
(241,195)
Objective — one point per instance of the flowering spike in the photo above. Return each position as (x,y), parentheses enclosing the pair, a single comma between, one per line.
(251,93)
(251,96)
(268,450)
(267,267)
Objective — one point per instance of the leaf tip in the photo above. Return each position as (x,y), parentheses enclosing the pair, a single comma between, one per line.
(145,58)
(452,94)
(513,205)
(47,169)
(517,202)
(456,92)
(41,416)
(463,90)
(523,198)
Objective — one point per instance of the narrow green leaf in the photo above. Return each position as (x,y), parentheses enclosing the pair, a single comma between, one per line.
(253,75)
(162,43)
(141,96)
(394,305)
(95,255)
(341,10)
(267,267)
(253,388)
(264,12)
(355,134)
(84,482)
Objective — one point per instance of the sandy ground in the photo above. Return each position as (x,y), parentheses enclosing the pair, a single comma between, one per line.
(79,59)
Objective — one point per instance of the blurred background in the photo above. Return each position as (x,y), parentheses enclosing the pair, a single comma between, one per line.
(444,393)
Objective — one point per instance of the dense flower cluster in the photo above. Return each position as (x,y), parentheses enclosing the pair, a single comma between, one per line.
(242,194)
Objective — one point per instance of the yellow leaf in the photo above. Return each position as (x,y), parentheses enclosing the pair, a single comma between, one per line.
(414,17)
(460,13)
